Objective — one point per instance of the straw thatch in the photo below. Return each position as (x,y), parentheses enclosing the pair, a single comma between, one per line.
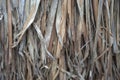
(59,39)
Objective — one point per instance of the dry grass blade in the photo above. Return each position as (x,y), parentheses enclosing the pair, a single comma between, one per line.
(43,45)
(29,21)
(68,73)
(51,18)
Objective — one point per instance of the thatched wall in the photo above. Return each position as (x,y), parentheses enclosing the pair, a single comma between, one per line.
(59,39)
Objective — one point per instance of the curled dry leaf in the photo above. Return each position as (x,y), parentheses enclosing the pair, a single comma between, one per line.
(28,21)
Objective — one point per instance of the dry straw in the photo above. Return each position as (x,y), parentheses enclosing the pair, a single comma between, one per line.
(59,40)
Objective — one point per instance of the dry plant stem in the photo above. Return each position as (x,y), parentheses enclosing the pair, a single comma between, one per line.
(62,29)
(118,25)
(9,31)
(9,39)
(95,8)
(100,5)
(59,53)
